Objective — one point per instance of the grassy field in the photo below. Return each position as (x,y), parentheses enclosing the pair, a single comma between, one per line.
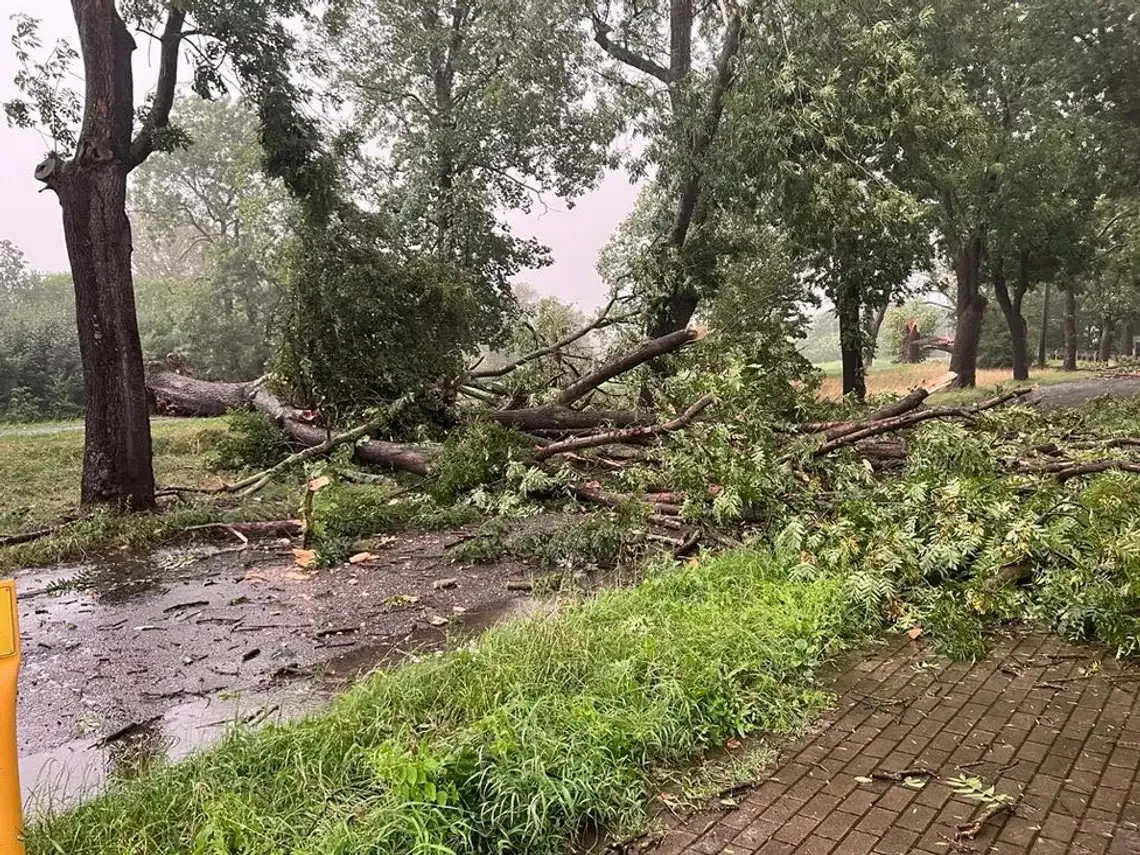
(544,728)
(895,378)
(41,470)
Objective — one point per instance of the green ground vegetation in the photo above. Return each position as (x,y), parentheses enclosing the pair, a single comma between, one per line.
(40,469)
(540,730)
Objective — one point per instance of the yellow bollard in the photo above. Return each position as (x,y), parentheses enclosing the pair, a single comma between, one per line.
(11,808)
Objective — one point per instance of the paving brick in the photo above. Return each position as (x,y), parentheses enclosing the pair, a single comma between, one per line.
(796,829)
(1126,841)
(877,821)
(857,843)
(916,818)
(756,834)
(821,806)
(1059,827)
(836,826)
(1073,756)
(897,841)
(896,798)
(1044,846)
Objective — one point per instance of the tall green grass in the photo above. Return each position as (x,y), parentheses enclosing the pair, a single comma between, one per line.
(544,728)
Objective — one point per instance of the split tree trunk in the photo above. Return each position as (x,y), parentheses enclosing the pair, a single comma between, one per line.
(1104,347)
(971,307)
(1043,339)
(1070,363)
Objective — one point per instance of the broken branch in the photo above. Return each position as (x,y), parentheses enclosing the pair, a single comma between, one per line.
(636,357)
(626,434)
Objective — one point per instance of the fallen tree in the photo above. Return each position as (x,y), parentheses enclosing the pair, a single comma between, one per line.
(176,393)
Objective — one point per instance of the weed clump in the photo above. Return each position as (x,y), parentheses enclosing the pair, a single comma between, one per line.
(251,442)
(596,542)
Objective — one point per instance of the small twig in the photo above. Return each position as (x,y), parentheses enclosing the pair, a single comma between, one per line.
(971,830)
(903,774)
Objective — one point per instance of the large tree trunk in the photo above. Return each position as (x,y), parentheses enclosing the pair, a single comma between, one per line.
(851,344)
(971,307)
(1070,363)
(1043,339)
(675,309)
(92,189)
(1104,348)
(1011,309)
(117,450)
(1128,338)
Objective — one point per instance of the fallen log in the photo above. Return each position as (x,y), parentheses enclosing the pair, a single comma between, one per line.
(178,394)
(911,401)
(597,496)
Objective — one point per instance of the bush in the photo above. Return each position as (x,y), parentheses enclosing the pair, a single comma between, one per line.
(251,441)
(593,543)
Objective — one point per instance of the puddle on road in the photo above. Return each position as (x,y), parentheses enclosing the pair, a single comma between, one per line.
(59,777)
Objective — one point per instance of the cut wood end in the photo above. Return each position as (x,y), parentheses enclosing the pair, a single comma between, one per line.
(944,383)
(700,332)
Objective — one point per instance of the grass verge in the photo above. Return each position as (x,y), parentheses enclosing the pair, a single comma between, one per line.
(543,729)
(41,472)
(885,377)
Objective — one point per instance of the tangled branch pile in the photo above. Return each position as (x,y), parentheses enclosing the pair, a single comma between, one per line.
(949,517)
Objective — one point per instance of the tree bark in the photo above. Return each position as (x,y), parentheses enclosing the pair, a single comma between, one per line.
(1070,363)
(1128,338)
(1011,309)
(851,344)
(178,395)
(874,323)
(971,307)
(92,189)
(1043,339)
(1104,348)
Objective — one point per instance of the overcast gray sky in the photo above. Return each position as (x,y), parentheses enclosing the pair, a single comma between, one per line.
(31,220)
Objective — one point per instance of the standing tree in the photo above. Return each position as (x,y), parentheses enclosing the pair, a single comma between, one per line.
(652,46)
(88,172)
(469,109)
(207,217)
(822,120)
(15,274)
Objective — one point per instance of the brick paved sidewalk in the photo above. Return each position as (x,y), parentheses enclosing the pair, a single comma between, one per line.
(1032,719)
